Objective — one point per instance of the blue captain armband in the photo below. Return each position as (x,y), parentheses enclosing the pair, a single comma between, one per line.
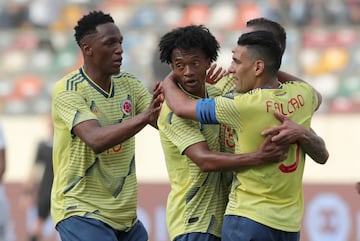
(205,111)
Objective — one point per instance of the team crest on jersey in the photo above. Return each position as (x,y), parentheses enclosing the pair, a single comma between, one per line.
(126,107)
(94,109)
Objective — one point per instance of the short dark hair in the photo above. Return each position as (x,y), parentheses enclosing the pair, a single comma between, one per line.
(88,23)
(272,26)
(188,37)
(263,45)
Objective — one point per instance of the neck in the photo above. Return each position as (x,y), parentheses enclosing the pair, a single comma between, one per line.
(198,94)
(272,83)
(103,81)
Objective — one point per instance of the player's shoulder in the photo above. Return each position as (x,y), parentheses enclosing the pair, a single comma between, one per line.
(212,90)
(125,76)
(298,85)
(70,81)
(125,80)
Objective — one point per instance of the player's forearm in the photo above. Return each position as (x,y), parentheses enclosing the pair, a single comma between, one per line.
(120,133)
(314,146)
(172,95)
(219,161)
(100,138)
(178,102)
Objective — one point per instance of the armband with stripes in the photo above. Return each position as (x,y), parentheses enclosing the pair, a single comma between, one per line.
(205,111)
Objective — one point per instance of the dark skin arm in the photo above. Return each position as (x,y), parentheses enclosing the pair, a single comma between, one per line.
(178,102)
(218,161)
(213,76)
(100,138)
(312,144)
(289,132)
(209,161)
(184,107)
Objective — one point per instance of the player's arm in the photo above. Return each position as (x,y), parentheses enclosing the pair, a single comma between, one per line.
(290,132)
(313,144)
(178,102)
(100,138)
(219,161)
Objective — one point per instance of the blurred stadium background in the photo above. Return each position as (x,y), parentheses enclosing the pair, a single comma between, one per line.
(37,48)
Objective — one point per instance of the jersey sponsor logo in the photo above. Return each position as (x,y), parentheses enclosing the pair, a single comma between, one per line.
(126,107)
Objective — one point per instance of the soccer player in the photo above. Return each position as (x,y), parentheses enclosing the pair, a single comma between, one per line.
(289,131)
(198,197)
(96,112)
(266,202)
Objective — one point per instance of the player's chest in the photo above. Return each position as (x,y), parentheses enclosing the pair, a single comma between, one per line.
(113,108)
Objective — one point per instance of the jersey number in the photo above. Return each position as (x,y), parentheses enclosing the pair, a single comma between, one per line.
(292,167)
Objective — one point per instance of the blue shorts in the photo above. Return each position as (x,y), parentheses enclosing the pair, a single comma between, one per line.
(89,229)
(244,229)
(197,237)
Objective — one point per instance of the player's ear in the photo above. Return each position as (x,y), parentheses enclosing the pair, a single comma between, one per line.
(259,67)
(208,63)
(87,49)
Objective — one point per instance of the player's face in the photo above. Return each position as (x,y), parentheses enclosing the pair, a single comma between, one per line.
(243,69)
(106,49)
(190,68)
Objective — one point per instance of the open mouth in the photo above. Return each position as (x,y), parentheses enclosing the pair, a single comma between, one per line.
(117,62)
(191,82)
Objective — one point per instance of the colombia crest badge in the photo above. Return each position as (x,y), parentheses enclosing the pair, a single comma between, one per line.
(126,107)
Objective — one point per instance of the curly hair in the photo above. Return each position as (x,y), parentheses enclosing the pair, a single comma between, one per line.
(88,23)
(269,25)
(186,38)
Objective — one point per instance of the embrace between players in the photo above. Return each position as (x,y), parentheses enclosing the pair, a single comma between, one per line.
(250,190)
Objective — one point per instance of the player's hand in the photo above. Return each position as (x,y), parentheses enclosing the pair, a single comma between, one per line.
(169,83)
(273,152)
(286,133)
(213,75)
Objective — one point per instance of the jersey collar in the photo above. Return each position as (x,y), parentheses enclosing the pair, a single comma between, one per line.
(95,86)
